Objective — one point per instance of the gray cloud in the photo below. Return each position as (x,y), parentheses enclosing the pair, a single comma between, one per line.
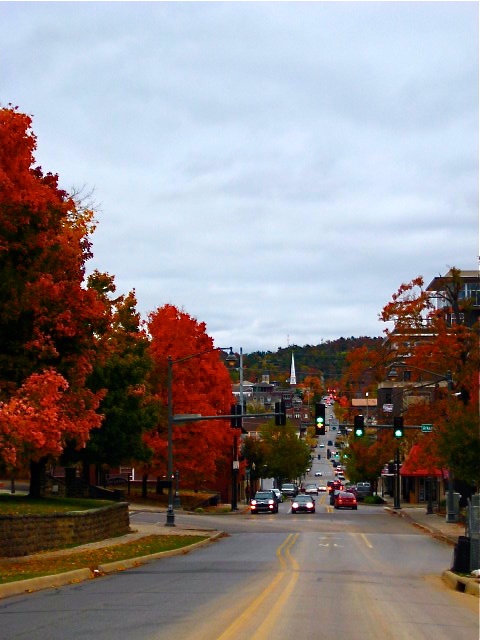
(277,170)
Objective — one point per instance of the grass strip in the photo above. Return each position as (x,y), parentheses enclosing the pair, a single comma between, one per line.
(35,566)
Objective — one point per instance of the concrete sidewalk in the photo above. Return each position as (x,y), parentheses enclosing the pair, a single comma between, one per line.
(436,526)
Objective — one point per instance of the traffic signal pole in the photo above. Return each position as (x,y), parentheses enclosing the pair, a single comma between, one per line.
(396,490)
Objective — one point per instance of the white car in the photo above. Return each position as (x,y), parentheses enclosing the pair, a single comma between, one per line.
(318,474)
(322,446)
(311,488)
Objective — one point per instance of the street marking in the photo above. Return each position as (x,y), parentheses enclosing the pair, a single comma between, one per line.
(232,631)
(364,538)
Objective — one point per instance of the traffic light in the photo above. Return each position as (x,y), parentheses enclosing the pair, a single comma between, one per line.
(398,427)
(236,412)
(358,426)
(319,419)
(280,413)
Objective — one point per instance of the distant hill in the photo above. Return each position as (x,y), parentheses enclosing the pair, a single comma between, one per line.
(327,358)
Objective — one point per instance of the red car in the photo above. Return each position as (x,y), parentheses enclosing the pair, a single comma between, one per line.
(345,500)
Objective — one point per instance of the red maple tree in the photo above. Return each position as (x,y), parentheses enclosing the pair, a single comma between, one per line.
(200,384)
(48,316)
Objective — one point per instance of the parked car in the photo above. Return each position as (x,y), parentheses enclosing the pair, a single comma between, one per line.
(264,501)
(279,495)
(363,489)
(311,489)
(303,503)
(289,489)
(345,500)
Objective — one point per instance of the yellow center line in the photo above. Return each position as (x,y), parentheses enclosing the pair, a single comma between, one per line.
(264,630)
(233,629)
(364,538)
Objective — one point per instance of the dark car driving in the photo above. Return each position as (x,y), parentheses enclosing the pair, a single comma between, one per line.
(289,489)
(264,502)
(303,503)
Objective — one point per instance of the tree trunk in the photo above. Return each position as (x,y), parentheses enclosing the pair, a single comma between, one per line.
(144,485)
(37,477)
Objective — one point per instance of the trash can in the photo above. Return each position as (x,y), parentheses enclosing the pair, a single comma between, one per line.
(461,555)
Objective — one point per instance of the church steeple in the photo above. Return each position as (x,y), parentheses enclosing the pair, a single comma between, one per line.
(293,377)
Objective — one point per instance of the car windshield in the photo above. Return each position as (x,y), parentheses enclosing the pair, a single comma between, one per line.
(263,495)
(303,499)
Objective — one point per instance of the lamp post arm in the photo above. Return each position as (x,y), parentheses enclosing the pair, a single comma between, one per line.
(447,376)
(197,355)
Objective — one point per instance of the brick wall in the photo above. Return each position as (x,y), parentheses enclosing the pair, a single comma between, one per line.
(24,535)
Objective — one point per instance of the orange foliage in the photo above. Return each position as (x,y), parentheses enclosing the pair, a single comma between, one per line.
(201,385)
(48,318)
(36,420)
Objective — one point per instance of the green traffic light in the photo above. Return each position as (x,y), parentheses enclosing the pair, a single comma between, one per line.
(398,433)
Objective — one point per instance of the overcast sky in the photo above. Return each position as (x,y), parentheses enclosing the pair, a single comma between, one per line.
(274,169)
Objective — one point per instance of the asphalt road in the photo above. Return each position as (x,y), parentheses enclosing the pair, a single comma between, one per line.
(355,575)
(349,574)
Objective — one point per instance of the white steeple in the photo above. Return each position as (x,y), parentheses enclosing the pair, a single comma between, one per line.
(293,377)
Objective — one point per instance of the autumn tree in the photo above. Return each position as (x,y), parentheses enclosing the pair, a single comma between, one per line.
(48,318)
(435,350)
(286,455)
(364,459)
(201,385)
(364,368)
(121,370)
(254,451)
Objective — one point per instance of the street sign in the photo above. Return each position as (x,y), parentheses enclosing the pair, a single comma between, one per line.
(427,427)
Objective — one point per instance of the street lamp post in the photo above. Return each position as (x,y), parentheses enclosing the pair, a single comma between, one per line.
(235,461)
(170,522)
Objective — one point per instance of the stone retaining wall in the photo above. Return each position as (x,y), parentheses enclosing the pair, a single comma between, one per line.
(24,535)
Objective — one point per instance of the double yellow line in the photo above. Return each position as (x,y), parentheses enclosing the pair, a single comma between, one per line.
(287,573)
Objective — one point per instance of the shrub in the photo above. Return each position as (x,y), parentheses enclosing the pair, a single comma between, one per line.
(374,500)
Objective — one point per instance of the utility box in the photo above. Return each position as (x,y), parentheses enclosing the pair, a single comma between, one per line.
(453,507)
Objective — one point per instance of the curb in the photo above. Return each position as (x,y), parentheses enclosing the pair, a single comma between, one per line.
(122,565)
(80,575)
(44,582)
(435,533)
(462,583)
